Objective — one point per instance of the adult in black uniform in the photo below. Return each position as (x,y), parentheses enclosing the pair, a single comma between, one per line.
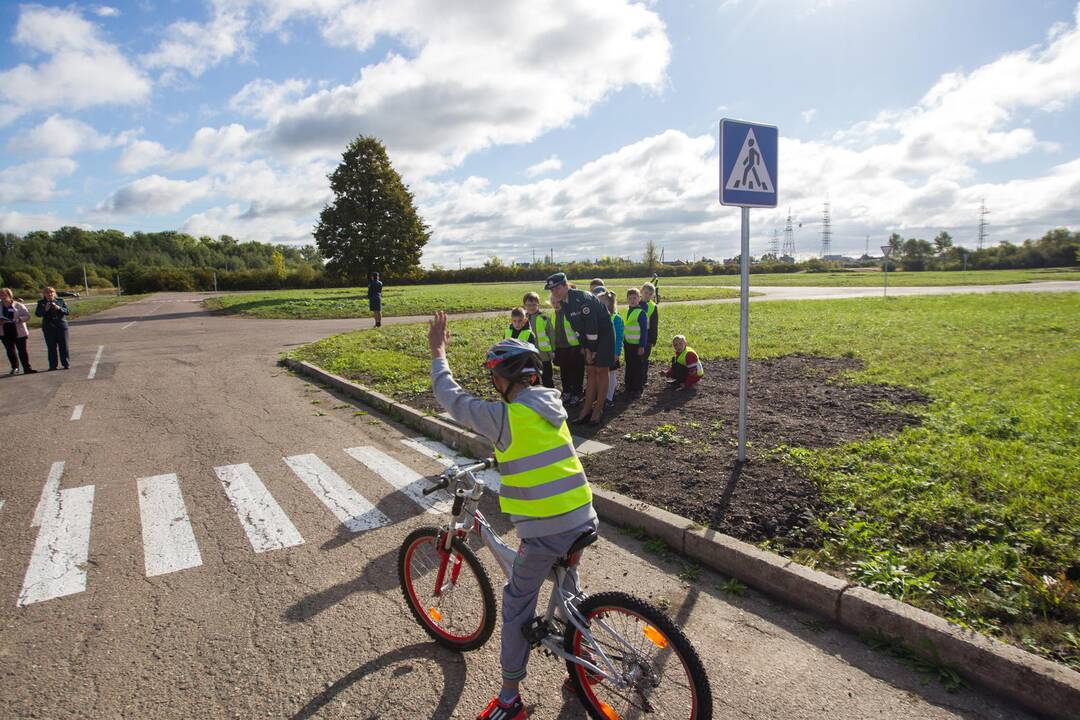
(590,319)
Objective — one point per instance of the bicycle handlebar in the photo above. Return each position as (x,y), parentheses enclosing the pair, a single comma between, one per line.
(456,471)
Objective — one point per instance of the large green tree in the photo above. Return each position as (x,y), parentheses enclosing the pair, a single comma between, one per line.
(371,226)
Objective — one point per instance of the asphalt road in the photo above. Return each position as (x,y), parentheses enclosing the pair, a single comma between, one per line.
(144,593)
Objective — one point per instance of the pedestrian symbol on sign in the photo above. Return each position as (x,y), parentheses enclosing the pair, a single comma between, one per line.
(750,173)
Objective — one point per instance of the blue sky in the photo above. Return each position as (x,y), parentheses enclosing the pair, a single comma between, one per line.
(587,126)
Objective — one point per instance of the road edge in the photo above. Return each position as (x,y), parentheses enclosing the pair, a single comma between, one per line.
(1034,682)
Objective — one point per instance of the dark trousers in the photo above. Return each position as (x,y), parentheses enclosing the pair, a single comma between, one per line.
(13,344)
(56,342)
(645,365)
(634,375)
(547,376)
(571,369)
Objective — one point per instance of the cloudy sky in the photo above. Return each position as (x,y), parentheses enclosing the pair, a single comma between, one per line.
(587,126)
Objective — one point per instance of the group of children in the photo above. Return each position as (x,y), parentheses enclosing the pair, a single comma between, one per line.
(636,333)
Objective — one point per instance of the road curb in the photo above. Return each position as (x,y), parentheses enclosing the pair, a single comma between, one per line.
(1037,684)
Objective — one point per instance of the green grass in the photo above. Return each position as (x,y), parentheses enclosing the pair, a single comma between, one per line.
(973,514)
(81,307)
(415,299)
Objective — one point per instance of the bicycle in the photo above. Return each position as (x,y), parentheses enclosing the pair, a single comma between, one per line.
(619,649)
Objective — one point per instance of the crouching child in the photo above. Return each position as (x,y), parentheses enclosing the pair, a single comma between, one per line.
(686,368)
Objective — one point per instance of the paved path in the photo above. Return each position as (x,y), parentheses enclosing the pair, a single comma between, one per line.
(187,560)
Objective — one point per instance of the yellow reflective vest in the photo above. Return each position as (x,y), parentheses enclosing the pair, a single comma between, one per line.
(697,368)
(524,336)
(541,473)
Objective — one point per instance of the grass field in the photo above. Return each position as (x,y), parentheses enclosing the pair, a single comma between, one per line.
(81,307)
(414,299)
(873,278)
(974,514)
(477,297)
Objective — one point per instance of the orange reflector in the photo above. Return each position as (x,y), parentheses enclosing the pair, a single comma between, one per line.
(655,636)
(609,712)
(435,614)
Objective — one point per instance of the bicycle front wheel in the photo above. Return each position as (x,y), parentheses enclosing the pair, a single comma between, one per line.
(657,672)
(449,593)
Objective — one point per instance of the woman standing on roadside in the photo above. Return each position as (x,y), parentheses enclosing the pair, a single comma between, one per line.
(54,325)
(374,296)
(14,316)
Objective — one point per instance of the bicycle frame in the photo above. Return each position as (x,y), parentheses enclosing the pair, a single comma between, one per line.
(466,518)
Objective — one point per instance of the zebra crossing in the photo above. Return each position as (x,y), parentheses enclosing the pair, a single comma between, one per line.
(57,565)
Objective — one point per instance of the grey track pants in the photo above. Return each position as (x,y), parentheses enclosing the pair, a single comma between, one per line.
(532,566)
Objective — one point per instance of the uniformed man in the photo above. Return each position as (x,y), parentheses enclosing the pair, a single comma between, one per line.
(590,319)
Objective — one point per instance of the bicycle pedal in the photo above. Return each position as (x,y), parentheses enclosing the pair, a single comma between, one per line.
(537,630)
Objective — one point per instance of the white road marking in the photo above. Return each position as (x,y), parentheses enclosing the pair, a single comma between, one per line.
(168,540)
(62,549)
(129,324)
(76,414)
(402,477)
(49,493)
(445,455)
(350,507)
(266,525)
(97,359)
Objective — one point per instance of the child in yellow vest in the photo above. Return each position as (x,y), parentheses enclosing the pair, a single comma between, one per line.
(544,488)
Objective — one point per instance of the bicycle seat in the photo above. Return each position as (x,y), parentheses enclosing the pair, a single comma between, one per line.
(574,553)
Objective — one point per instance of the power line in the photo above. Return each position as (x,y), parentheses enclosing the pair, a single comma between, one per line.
(774,244)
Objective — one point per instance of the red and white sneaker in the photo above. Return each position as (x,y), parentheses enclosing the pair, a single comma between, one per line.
(495,710)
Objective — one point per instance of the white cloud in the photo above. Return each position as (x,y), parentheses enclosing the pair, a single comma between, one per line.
(262,98)
(484,75)
(808,115)
(141,154)
(82,70)
(106,11)
(59,137)
(195,47)
(13,221)
(234,220)
(34,181)
(153,194)
(550,164)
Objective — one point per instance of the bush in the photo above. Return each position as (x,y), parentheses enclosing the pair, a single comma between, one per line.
(23,281)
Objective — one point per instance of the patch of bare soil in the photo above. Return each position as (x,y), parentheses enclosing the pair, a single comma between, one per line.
(691,470)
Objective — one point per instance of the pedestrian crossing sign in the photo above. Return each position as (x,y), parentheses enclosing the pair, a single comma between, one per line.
(748,164)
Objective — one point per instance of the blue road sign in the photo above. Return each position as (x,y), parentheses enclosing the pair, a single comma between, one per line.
(748,164)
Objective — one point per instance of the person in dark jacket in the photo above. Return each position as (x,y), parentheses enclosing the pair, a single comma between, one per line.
(13,316)
(569,357)
(54,325)
(590,319)
(374,295)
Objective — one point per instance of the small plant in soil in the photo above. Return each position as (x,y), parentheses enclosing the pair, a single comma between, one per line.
(731,586)
(661,435)
(659,548)
(886,574)
(690,573)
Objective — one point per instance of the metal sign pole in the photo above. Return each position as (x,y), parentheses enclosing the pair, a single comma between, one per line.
(744,328)
(886,293)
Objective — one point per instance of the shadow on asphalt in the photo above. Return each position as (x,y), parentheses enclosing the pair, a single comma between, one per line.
(451,664)
(94,320)
(807,627)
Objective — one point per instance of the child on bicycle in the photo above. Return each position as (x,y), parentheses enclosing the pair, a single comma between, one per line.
(544,488)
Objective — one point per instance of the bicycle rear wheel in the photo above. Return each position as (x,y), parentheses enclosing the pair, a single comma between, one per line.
(449,593)
(663,673)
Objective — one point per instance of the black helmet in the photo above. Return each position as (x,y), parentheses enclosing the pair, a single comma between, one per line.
(514,360)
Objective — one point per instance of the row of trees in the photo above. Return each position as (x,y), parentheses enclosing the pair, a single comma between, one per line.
(153,261)
(1057,248)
